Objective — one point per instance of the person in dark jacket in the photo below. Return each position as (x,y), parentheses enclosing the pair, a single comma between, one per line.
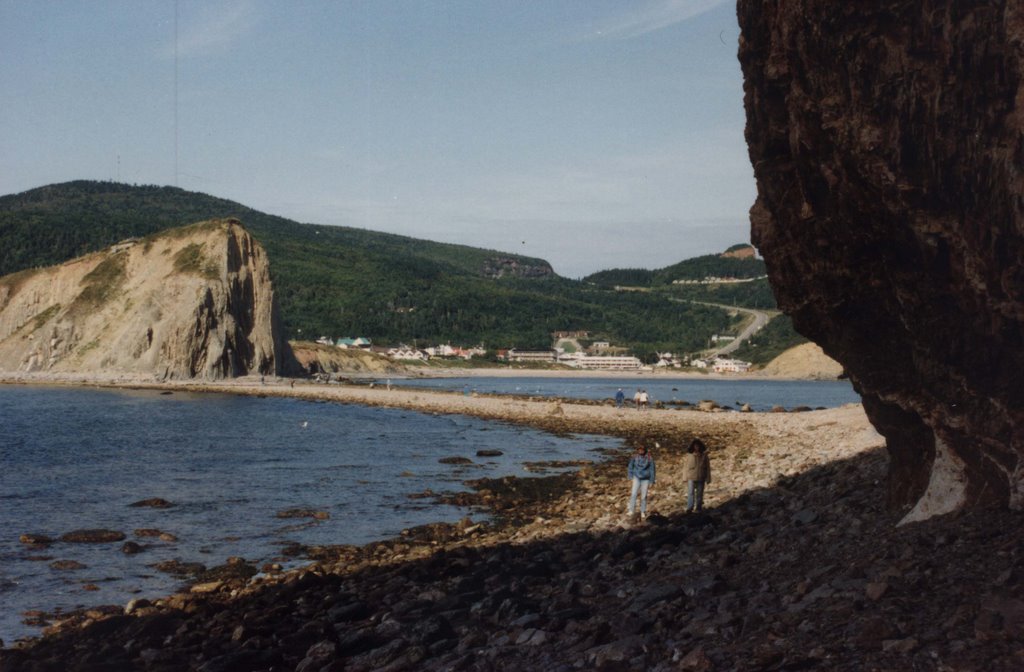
(641,473)
(696,470)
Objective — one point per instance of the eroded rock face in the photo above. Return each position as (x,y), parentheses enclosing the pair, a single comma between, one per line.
(887,145)
(194,302)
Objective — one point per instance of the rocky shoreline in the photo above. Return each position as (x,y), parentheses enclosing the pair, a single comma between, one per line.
(796,565)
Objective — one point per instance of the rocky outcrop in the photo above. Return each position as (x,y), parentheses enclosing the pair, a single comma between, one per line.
(804,362)
(886,142)
(195,302)
(516,267)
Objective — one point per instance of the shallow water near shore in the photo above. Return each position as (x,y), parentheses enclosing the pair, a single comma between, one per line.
(77,458)
(762,395)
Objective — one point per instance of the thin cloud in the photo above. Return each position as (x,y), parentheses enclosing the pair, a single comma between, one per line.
(215,29)
(650,17)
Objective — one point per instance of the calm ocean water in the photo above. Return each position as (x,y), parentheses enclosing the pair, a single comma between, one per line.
(760,394)
(76,458)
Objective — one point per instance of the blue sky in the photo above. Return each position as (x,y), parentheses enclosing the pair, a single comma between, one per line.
(592,133)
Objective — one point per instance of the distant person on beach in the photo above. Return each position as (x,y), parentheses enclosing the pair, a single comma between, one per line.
(696,470)
(643,400)
(641,473)
(619,398)
(636,398)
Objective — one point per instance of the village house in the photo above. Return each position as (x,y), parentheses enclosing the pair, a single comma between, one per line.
(531,355)
(359,342)
(452,352)
(730,366)
(606,362)
(667,359)
(406,354)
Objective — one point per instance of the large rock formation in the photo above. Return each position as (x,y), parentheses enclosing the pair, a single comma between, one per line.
(194,302)
(886,139)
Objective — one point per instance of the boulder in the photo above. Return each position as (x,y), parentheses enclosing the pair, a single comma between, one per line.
(92,536)
(885,143)
(153,503)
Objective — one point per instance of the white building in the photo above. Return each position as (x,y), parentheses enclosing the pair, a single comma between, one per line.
(730,366)
(405,353)
(667,359)
(607,362)
(531,355)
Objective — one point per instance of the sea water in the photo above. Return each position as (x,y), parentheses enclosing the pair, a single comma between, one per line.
(78,458)
(762,395)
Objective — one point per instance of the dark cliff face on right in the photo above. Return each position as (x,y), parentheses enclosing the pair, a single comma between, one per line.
(886,140)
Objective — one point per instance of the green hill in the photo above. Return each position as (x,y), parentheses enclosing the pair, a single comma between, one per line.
(341,281)
(711,266)
(736,263)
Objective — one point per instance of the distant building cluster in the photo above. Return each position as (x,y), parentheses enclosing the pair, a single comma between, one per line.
(600,355)
(403,352)
(715,280)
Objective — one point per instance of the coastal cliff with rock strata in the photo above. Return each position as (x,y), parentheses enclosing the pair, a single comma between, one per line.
(887,146)
(193,302)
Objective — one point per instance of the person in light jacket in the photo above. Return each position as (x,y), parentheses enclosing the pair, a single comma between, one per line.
(641,473)
(696,470)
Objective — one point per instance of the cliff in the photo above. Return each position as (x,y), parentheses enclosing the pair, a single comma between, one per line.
(887,145)
(193,302)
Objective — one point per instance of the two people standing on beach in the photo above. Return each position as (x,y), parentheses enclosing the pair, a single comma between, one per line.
(641,474)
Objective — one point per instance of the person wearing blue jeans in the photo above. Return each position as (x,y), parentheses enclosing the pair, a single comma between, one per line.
(641,472)
(696,470)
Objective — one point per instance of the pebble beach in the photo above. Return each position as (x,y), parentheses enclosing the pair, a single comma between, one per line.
(795,563)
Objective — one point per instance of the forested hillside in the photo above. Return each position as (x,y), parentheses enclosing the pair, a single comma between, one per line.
(724,265)
(340,281)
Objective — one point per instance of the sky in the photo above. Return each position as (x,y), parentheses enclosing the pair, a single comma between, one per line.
(595,134)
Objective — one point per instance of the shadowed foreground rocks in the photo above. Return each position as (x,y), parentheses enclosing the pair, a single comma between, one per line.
(886,140)
(807,574)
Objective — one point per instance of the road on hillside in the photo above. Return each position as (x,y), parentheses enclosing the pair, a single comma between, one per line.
(760,319)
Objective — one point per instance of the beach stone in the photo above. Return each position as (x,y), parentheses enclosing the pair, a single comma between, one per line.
(133,605)
(696,660)
(153,503)
(317,656)
(67,565)
(207,587)
(489,453)
(805,517)
(97,536)
(303,513)
(455,460)
(35,539)
(179,568)
(130,548)
(875,591)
